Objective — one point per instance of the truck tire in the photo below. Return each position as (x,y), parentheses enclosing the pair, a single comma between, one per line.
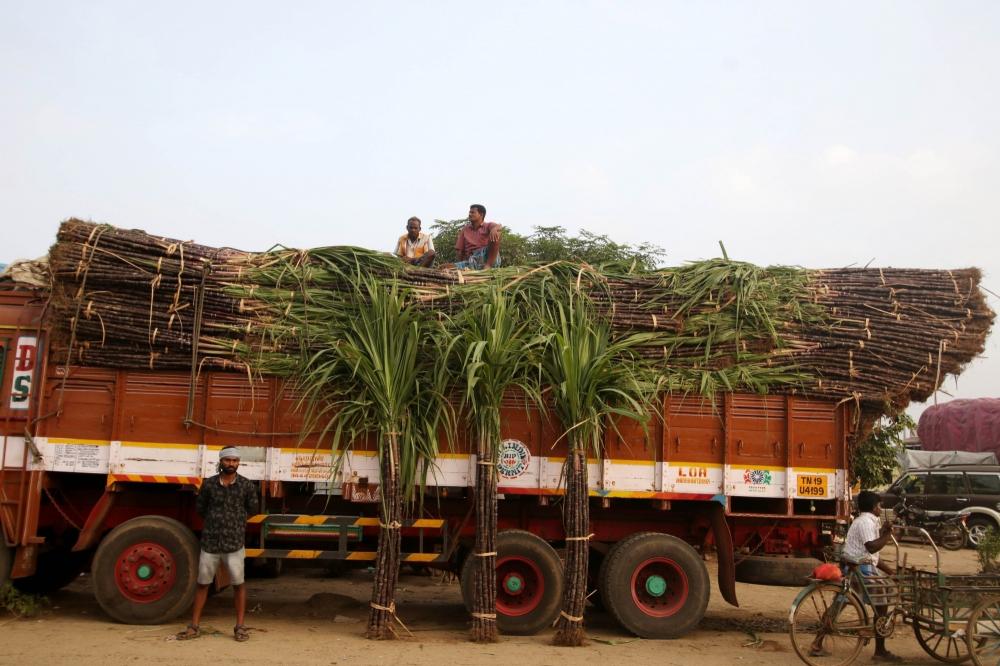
(6,559)
(529,583)
(978,527)
(774,570)
(655,585)
(146,570)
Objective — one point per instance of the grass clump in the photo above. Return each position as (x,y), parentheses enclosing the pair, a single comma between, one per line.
(20,604)
(988,552)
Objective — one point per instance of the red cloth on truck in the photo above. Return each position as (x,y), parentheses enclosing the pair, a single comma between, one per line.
(961,425)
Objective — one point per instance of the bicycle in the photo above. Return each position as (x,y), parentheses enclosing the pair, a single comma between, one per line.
(830,622)
(954,618)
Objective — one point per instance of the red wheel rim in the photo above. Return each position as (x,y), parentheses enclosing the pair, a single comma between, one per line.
(659,587)
(145,572)
(520,586)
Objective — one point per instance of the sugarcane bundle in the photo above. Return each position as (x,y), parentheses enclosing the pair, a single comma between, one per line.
(128,299)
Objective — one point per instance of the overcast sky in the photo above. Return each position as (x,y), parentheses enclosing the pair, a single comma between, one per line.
(816,134)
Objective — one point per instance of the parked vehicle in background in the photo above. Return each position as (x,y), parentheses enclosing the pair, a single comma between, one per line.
(946,528)
(970,490)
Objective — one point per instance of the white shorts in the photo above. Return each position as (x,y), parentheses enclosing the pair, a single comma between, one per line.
(208,564)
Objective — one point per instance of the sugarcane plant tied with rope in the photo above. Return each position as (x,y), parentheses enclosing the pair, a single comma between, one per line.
(591,379)
(495,344)
(372,367)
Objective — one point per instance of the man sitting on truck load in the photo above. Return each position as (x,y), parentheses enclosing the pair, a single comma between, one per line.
(865,538)
(414,247)
(478,242)
(225,502)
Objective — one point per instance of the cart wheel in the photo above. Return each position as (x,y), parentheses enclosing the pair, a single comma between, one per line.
(983,632)
(824,609)
(937,641)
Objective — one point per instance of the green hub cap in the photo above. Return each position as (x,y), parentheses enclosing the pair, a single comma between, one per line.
(656,586)
(513,584)
(144,572)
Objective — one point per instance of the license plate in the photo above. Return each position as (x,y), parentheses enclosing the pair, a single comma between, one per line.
(811,485)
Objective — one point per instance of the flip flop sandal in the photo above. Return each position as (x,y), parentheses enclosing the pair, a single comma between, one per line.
(191,631)
(240,633)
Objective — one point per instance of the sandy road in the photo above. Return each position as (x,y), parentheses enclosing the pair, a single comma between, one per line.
(305,617)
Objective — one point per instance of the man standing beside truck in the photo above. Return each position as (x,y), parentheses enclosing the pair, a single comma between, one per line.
(225,502)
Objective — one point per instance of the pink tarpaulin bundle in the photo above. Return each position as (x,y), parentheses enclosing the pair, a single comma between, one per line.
(962,425)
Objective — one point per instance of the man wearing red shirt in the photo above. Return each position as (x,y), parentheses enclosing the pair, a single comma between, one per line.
(478,242)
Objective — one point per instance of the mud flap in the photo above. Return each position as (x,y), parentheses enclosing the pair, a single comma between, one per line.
(724,553)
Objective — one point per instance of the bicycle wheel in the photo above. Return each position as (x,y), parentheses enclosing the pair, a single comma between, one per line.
(828,626)
(944,643)
(983,632)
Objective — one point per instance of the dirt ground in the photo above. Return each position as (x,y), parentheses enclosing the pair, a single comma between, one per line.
(306,617)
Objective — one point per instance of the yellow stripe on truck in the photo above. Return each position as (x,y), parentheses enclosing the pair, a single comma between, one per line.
(310,520)
(421,557)
(361,555)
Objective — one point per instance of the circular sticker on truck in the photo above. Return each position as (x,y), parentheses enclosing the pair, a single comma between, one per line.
(513,459)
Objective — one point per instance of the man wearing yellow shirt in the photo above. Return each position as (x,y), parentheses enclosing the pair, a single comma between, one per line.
(414,247)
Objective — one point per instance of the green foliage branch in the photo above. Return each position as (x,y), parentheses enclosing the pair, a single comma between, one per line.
(875,461)
(552,243)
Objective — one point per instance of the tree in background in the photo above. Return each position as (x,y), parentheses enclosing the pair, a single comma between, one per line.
(876,459)
(552,244)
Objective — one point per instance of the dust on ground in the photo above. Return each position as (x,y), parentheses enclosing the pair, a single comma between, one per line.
(307,617)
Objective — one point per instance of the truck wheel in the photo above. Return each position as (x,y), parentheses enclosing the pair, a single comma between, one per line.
(55,570)
(774,570)
(6,559)
(529,583)
(655,585)
(145,571)
(978,527)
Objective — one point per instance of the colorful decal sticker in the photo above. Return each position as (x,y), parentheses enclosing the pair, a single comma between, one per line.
(25,358)
(513,459)
(757,477)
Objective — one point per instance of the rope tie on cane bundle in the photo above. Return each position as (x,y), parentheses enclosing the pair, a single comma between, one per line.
(489,617)
(391,609)
(394,525)
(581,538)
(570,618)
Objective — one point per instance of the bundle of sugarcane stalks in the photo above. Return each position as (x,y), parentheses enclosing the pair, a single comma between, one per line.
(127,299)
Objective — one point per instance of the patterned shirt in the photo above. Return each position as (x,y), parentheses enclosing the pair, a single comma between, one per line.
(865,528)
(414,249)
(225,510)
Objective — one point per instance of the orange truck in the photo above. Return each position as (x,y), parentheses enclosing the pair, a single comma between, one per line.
(101,468)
